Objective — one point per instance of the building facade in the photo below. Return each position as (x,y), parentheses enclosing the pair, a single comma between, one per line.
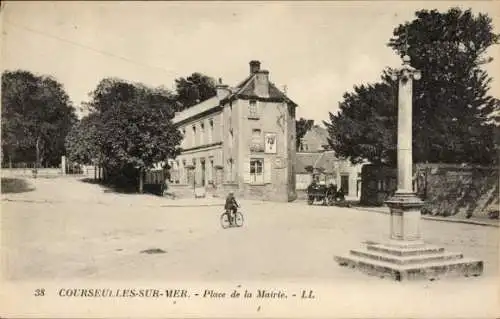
(241,140)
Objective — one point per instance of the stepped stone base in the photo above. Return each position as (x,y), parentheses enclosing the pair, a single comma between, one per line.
(410,262)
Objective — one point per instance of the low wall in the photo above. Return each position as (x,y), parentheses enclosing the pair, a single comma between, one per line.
(28,172)
(447,189)
(181,190)
(456,190)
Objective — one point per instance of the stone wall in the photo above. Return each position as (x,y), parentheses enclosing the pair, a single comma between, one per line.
(447,189)
(457,190)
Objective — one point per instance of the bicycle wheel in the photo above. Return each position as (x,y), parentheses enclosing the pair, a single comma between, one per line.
(224,220)
(239,219)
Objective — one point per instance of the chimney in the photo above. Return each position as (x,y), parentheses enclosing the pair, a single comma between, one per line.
(262,83)
(222,90)
(254,66)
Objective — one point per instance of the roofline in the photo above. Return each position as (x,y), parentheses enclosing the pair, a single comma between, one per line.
(215,109)
(257,98)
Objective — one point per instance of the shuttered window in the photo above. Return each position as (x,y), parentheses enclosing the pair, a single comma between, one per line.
(253,111)
(267,171)
(256,171)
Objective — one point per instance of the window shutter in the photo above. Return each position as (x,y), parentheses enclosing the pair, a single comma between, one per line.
(267,170)
(246,170)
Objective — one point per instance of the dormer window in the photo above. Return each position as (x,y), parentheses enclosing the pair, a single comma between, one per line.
(253,112)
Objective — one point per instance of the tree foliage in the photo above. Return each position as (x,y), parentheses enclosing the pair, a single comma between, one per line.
(129,128)
(195,88)
(451,104)
(302,126)
(36,114)
(366,125)
(82,141)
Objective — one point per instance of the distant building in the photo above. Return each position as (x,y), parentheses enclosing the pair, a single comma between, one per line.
(315,140)
(316,161)
(241,140)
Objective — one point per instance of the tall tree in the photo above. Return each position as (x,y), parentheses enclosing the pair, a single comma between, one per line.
(451,101)
(129,129)
(36,116)
(302,126)
(365,126)
(82,142)
(451,104)
(195,88)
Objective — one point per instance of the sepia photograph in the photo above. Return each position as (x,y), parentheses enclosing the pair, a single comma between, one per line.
(250,159)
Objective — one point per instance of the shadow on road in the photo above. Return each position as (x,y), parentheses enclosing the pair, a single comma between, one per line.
(123,187)
(15,185)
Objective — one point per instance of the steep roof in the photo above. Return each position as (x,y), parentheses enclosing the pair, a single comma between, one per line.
(204,106)
(315,138)
(246,90)
(324,160)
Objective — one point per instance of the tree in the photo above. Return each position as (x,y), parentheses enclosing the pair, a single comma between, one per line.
(365,126)
(36,116)
(194,89)
(451,105)
(302,126)
(451,101)
(82,141)
(128,130)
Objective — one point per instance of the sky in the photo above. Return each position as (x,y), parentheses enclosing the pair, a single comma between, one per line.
(318,50)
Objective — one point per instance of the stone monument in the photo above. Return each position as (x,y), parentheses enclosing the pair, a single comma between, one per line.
(405,256)
(64,166)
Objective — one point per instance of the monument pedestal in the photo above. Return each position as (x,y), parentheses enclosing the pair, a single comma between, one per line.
(405,256)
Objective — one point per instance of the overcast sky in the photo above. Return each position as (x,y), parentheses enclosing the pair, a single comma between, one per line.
(318,50)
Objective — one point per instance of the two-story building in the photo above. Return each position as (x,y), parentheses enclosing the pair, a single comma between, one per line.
(241,140)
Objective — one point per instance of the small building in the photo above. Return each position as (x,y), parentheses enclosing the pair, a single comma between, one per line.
(241,140)
(316,161)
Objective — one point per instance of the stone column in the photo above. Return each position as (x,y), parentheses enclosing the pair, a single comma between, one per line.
(406,256)
(405,156)
(405,206)
(63,165)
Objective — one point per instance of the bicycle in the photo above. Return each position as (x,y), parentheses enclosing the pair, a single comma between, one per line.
(227,220)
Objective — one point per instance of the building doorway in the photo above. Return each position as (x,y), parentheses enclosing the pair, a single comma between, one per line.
(190,176)
(344,184)
(203,173)
(212,172)
(219,176)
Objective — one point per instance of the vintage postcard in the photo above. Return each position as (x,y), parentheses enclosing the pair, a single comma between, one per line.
(182,159)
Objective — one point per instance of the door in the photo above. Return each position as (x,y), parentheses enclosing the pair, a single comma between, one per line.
(219,176)
(212,172)
(203,172)
(190,176)
(344,184)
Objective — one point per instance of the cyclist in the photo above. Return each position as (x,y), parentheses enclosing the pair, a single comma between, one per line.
(231,206)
